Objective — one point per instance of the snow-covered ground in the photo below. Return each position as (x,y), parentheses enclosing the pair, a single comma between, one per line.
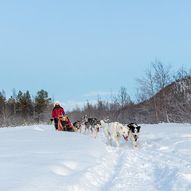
(38,158)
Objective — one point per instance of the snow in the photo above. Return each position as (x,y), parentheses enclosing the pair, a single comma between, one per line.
(37,158)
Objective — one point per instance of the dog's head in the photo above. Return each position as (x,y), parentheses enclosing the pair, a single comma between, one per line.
(94,122)
(84,118)
(124,131)
(102,122)
(77,124)
(97,124)
(106,120)
(134,129)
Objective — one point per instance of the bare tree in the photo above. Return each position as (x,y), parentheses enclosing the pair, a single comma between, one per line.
(122,99)
(146,86)
(162,75)
(162,79)
(155,79)
(181,73)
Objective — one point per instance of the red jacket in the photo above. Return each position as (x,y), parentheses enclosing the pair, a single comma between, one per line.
(57,111)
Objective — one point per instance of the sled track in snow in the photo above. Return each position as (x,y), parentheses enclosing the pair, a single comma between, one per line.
(116,170)
(152,166)
(126,175)
(147,169)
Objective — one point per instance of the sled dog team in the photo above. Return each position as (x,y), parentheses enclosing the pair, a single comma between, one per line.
(113,131)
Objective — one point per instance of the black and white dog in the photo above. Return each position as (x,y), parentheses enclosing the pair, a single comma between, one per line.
(92,125)
(134,130)
(77,126)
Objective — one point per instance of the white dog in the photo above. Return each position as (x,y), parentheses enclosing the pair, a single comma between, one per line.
(114,131)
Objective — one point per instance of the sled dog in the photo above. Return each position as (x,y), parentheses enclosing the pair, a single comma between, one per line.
(92,125)
(77,126)
(134,130)
(114,131)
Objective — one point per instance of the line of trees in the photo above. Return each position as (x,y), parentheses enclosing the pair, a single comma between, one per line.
(23,109)
(162,96)
(155,101)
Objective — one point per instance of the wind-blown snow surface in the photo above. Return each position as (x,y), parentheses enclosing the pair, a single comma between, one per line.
(38,158)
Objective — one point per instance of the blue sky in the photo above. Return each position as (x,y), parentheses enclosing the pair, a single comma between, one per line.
(77,49)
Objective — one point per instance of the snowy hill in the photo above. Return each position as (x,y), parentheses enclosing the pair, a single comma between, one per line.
(170,104)
(37,158)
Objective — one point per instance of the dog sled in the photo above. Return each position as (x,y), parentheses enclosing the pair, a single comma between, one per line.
(64,124)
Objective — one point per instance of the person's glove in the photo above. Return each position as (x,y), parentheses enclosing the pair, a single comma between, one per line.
(51,120)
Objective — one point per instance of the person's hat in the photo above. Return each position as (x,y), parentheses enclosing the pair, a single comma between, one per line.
(56,103)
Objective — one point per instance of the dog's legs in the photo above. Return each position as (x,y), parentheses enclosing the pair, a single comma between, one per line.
(117,143)
(107,136)
(117,138)
(134,142)
(91,131)
(82,128)
(86,129)
(96,130)
(109,139)
(94,133)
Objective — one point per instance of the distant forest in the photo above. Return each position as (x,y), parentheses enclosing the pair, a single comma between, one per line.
(162,96)
(22,109)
